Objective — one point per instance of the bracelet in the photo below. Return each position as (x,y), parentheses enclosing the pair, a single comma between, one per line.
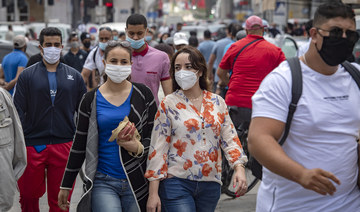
(239,164)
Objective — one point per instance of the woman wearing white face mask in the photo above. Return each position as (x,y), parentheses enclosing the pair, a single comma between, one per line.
(191,127)
(113,170)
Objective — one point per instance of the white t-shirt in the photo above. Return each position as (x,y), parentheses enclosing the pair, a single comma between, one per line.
(89,63)
(304,48)
(323,135)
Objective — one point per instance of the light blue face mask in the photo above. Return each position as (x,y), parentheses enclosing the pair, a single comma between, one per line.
(102,46)
(148,38)
(116,37)
(136,44)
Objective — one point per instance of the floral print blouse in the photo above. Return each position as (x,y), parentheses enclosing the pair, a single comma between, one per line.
(186,142)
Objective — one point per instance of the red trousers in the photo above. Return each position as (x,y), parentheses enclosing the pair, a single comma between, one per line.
(50,164)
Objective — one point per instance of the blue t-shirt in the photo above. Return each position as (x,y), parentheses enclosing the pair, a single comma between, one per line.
(108,118)
(53,85)
(205,48)
(218,50)
(227,47)
(10,64)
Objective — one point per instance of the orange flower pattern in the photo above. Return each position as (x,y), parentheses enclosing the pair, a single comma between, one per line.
(180,106)
(152,155)
(186,142)
(180,146)
(206,169)
(187,164)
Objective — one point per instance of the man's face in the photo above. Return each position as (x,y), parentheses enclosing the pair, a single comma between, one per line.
(74,39)
(105,36)
(136,32)
(318,32)
(115,33)
(51,41)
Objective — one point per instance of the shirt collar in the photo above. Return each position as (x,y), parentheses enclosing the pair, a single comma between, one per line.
(142,53)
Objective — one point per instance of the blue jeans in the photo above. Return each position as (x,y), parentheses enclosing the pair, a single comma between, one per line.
(112,194)
(182,195)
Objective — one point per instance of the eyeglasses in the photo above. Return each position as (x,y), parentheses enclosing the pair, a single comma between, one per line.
(337,33)
(114,43)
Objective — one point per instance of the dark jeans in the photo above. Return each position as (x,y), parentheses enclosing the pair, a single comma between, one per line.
(182,195)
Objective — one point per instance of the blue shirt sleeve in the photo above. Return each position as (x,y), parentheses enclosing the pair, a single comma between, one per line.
(23,61)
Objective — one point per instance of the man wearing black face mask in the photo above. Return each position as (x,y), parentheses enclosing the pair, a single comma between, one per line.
(317,167)
(86,41)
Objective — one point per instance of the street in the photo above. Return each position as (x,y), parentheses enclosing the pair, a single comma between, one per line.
(226,204)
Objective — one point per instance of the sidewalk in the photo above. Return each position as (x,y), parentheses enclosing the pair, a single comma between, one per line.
(226,204)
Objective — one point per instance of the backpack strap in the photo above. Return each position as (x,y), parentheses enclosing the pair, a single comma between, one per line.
(244,47)
(296,91)
(353,71)
(94,55)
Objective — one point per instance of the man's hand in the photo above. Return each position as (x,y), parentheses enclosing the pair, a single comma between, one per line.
(63,202)
(153,203)
(318,180)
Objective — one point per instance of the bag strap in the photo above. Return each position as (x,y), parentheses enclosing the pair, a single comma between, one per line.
(296,91)
(94,55)
(353,71)
(232,67)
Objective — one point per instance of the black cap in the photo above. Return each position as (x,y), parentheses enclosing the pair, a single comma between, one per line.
(84,35)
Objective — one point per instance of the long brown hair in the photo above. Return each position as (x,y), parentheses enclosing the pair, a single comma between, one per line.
(197,61)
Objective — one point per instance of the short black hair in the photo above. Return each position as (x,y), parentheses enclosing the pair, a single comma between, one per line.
(229,28)
(331,10)
(121,34)
(235,29)
(49,31)
(136,19)
(207,34)
(165,48)
(193,33)
(193,41)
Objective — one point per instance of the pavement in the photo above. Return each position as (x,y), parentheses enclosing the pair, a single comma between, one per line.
(245,203)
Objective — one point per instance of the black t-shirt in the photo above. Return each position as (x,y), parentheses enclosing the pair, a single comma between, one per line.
(76,61)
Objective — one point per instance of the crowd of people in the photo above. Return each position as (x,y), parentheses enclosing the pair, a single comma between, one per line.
(138,151)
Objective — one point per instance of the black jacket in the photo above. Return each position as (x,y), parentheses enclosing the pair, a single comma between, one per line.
(45,122)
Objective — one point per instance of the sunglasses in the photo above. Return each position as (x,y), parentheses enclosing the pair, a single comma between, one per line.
(337,33)
(114,43)
(105,28)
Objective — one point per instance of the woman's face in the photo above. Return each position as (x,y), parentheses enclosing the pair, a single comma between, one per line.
(182,62)
(165,36)
(118,56)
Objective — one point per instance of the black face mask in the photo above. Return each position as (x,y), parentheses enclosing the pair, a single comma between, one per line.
(334,51)
(87,44)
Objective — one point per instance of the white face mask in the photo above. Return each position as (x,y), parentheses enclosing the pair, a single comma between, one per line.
(51,54)
(186,79)
(117,73)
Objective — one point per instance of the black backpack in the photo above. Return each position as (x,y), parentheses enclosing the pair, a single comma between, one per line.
(296,91)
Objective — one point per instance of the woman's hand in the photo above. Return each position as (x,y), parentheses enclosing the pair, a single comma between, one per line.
(240,181)
(153,203)
(127,139)
(63,202)
(127,133)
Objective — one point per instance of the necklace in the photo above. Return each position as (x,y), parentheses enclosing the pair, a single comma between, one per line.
(196,99)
